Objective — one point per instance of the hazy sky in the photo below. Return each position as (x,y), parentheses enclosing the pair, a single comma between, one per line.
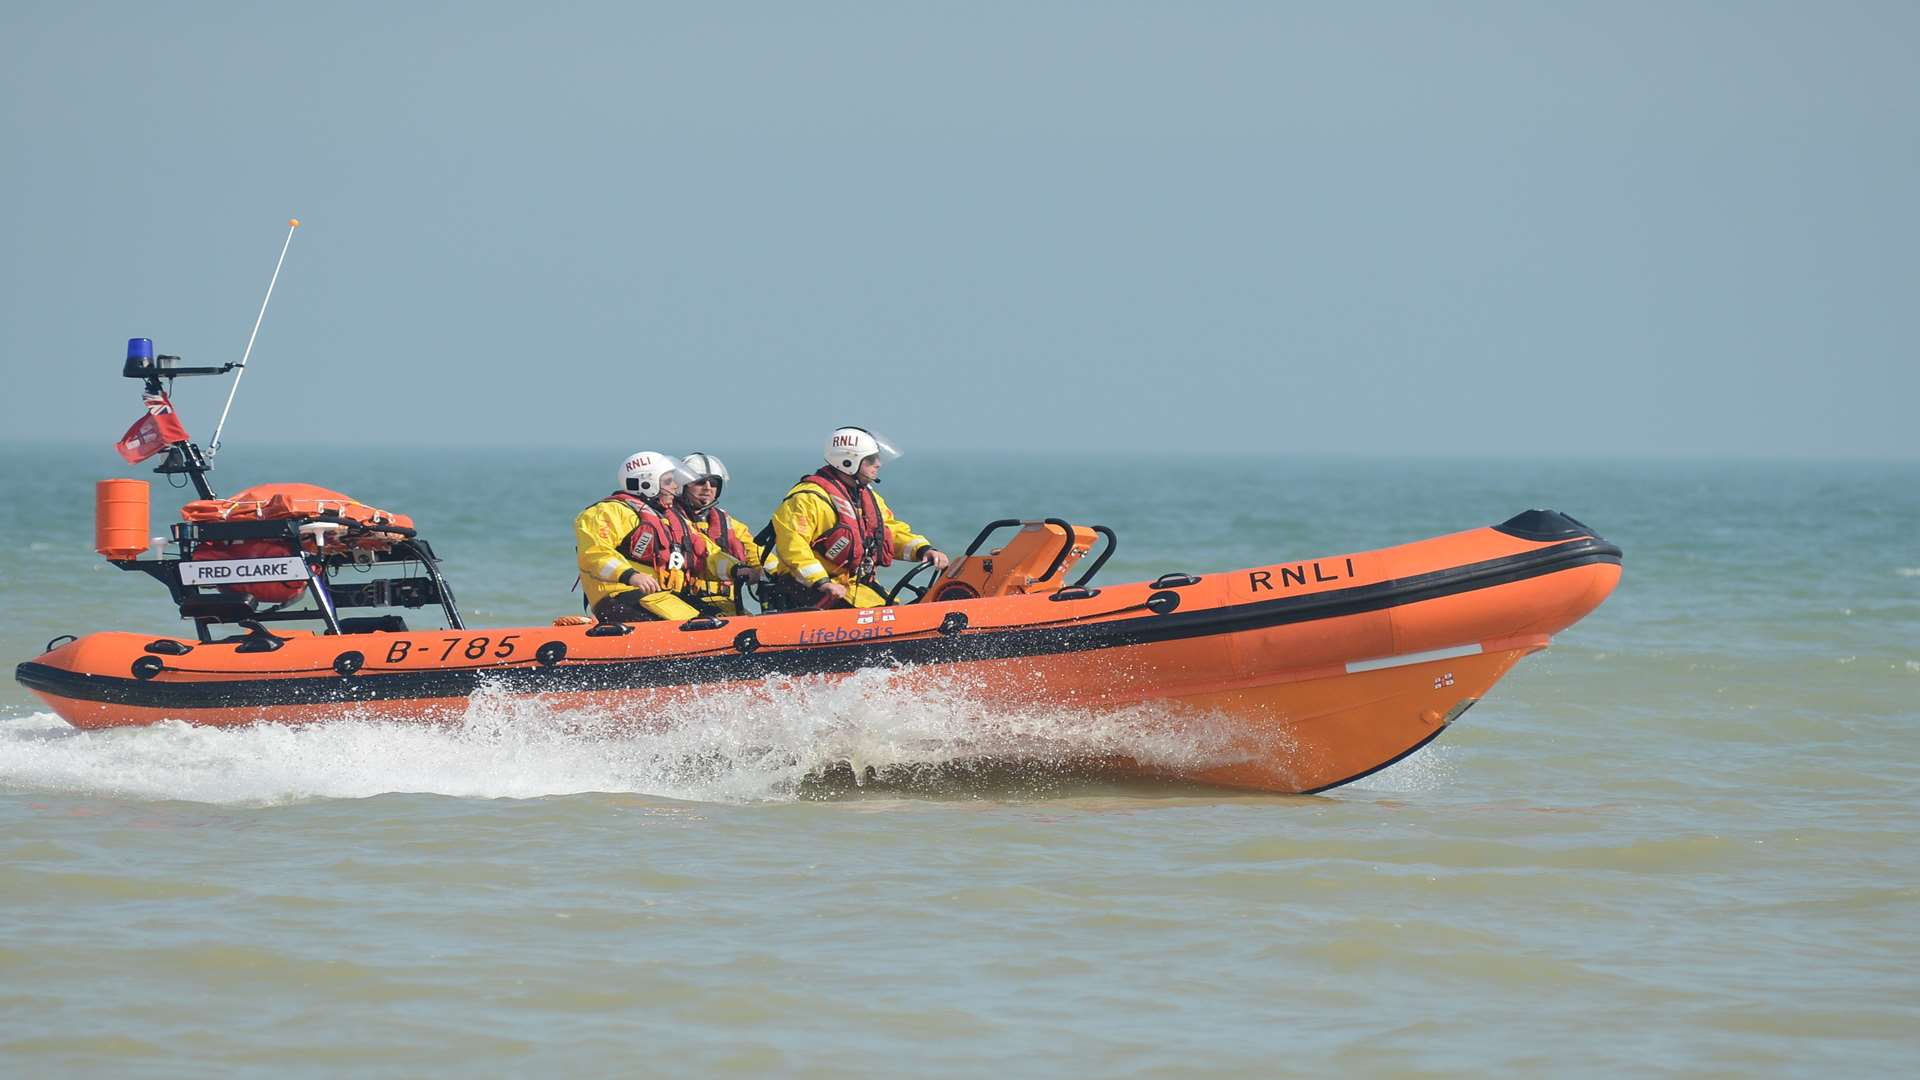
(1481,228)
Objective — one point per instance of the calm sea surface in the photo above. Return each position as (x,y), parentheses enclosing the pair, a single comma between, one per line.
(1681,840)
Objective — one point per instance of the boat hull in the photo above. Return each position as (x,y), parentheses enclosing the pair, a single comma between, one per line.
(1312,673)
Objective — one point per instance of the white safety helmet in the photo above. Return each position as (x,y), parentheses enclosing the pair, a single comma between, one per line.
(706,467)
(644,471)
(847,447)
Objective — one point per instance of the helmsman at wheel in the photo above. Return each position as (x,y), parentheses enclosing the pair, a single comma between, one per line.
(833,532)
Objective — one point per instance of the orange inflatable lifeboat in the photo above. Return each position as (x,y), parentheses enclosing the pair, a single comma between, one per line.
(1321,669)
(1318,670)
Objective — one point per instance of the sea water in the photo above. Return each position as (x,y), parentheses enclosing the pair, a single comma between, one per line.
(1682,839)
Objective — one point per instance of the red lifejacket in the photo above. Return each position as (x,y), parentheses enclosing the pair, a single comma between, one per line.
(719,530)
(660,535)
(859,540)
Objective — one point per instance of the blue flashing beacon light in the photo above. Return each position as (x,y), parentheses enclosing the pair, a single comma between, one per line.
(140,348)
(140,363)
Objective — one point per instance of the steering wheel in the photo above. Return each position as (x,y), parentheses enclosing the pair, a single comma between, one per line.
(908,584)
(759,590)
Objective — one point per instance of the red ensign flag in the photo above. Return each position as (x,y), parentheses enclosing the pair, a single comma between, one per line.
(153,432)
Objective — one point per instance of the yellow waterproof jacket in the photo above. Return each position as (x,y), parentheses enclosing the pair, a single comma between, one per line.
(806,515)
(600,535)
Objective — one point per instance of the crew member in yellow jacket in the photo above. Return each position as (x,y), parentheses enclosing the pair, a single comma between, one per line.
(639,554)
(832,532)
(700,500)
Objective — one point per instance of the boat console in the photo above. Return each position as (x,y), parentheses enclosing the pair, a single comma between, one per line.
(1035,560)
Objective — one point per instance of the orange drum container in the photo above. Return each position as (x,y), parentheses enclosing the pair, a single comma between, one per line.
(120,518)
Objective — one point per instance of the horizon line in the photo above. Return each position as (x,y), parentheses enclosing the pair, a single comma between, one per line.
(1690,456)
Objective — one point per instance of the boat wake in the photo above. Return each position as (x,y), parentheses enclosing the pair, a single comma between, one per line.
(800,739)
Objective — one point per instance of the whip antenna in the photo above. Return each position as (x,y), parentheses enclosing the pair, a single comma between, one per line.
(213,447)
